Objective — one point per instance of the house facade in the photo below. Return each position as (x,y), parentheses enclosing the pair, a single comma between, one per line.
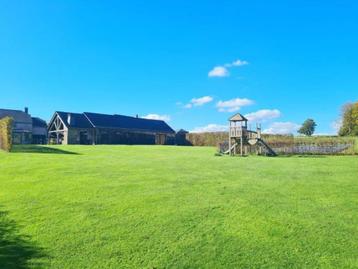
(25,129)
(94,128)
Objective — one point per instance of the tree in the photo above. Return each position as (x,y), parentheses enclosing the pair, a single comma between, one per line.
(308,127)
(349,119)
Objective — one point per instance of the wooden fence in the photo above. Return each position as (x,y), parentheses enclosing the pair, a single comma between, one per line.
(285,144)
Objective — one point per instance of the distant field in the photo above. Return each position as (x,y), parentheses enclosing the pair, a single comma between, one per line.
(175,207)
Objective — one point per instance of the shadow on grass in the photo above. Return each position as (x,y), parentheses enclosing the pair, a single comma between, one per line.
(16,251)
(39,149)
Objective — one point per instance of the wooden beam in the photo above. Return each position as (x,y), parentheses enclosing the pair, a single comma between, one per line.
(57,131)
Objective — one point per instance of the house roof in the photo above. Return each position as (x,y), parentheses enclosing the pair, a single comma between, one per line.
(238,117)
(127,122)
(17,115)
(37,122)
(74,120)
(96,120)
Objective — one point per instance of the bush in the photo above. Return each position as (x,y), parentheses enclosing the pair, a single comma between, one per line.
(6,133)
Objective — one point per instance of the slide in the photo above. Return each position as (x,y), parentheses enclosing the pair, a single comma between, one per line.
(228,151)
(270,151)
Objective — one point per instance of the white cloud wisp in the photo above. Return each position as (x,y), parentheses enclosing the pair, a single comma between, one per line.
(199,101)
(210,128)
(263,115)
(282,128)
(233,104)
(157,117)
(223,70)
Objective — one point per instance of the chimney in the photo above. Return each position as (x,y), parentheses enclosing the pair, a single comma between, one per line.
(69,118)
(26,110)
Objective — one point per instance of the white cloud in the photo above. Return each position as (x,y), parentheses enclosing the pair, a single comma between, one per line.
(323,134)
(219,71)
(223,70)
(282,128)
(263,115)
(210,128)
(233,104)
(199,101)
(238,62)
(157,117)
(336,125)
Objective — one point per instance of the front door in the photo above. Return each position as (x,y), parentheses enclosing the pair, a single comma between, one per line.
(84,138)
(160,139)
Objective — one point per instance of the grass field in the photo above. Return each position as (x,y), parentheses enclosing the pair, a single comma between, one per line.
(175,207)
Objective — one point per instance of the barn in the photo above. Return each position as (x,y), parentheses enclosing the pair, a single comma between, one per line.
(94,128)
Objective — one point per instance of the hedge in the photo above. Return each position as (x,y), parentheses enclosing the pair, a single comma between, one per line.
(6,133)
(207,139)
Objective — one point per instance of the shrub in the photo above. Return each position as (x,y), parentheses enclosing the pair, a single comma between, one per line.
(6,133)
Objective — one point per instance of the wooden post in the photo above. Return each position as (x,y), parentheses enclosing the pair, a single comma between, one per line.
(258,127)
(229,137)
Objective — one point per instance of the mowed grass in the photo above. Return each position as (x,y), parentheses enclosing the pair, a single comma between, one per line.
(175,207)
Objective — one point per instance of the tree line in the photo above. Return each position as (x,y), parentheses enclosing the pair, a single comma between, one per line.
(348,122)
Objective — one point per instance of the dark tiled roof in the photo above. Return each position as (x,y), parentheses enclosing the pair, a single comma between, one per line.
(37,122)
(17,115)
(78,120)
(91,120)
(126,122)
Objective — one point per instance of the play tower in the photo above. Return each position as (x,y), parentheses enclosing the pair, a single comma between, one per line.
(243,141)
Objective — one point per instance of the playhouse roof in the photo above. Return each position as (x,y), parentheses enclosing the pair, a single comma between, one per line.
(238,117)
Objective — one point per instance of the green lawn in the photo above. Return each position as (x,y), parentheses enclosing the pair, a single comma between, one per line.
(175,207)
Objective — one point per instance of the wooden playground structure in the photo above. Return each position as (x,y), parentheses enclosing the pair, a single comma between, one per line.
(243,141)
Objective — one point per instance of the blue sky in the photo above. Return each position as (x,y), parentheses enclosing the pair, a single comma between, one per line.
(195,62)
